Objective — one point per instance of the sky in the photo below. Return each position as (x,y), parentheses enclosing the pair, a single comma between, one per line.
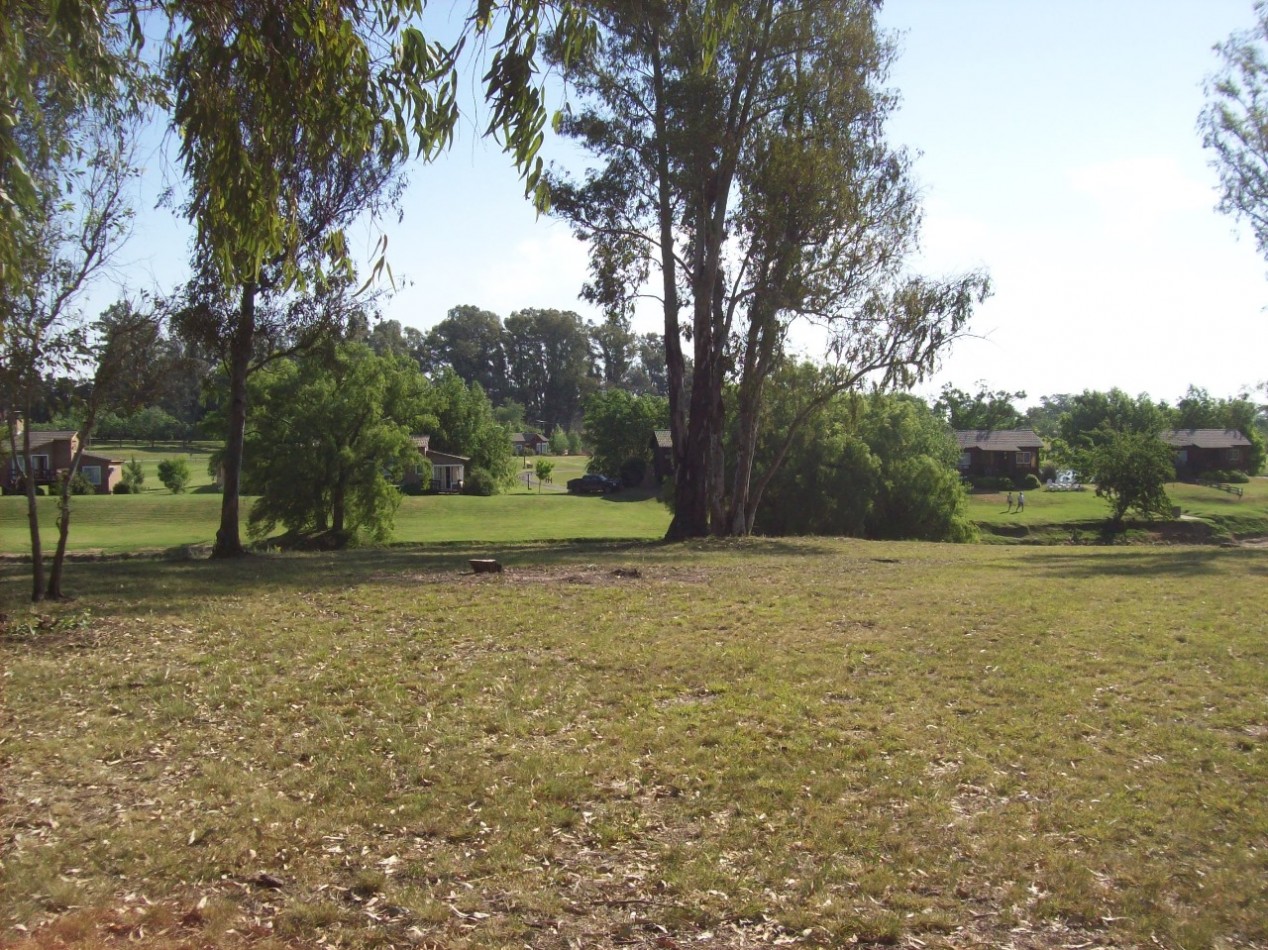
(1056,148)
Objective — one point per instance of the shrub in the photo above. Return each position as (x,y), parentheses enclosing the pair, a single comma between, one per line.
(123,488)
(1048,473)
(633,471)
(79,485)
(479,481)
(992,483)
(1030,482)
(174,474)
(1238,477)
(134,474)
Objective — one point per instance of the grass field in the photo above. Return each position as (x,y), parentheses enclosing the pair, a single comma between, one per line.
(157,520)
(1051,516)
(642,745)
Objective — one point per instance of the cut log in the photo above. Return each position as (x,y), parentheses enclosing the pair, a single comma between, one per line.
(485,566)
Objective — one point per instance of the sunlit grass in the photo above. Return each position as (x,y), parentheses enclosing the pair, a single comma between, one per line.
(610,744)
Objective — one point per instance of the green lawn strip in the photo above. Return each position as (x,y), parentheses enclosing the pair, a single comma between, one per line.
(157,521)
(1051,517)
(609,744)
(195,453)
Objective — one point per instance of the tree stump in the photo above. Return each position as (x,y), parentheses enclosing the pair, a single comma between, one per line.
(485,566)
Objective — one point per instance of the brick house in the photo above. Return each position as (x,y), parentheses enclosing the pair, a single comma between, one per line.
(1205,450)
(447,471)
(1013,453)
(51,455)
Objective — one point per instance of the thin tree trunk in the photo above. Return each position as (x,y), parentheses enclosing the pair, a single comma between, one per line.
(32,516)
(229,536)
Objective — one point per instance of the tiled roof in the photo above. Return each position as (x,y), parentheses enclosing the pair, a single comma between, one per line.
(664,439)
(999,440)
(1205,438)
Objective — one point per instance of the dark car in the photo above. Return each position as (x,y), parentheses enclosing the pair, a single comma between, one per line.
(593,484)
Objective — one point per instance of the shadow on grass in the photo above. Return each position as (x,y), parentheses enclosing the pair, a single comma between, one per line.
(185,577)
(1150,562)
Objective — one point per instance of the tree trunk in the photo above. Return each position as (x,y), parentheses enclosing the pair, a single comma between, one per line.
(229,536)
(32,511)
(63,526)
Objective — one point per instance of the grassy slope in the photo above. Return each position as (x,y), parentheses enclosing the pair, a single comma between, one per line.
(1051,515)
(648,745)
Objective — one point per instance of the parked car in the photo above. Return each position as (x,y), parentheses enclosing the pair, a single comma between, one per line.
(593,484)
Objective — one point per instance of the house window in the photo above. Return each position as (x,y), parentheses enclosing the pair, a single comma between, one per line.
(1025,458)
(965,460)
(38,462)
(92,473)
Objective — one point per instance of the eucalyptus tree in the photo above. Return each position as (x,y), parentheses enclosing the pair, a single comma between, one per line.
(743,168)
(76,158)
(1234,125)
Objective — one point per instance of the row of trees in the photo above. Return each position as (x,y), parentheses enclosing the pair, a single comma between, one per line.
(547,361)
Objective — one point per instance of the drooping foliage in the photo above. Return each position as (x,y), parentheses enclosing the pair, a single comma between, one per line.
(329,442)
(1234,125)
(619,427)
(874,466)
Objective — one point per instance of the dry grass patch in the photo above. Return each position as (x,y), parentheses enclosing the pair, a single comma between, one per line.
(643,745)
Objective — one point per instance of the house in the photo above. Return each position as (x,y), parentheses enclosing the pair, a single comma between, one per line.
(1013,453)
(1205,450)
(447,471)
(51,455)
(662,446)
(529,443)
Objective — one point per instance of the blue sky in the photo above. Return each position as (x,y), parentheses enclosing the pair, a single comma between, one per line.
(1057,148)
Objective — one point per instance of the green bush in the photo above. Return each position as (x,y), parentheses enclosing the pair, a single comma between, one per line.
(123,488)
(1030,482)
(633,471)
(79,485)
(1238,478)
(174,474)
(479,481)
(992,483)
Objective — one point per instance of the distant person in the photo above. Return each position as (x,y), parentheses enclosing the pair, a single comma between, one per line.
(1010,501)
(1021,501)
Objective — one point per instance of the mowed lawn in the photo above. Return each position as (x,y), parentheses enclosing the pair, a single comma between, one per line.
(158,520)
(814,743)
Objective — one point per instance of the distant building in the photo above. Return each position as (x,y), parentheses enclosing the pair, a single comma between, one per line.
(1206,450)
(1001,452)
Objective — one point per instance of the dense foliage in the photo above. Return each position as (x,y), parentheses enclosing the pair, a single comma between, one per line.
(1131,470)
(878,466)
(619,427)
(330,442)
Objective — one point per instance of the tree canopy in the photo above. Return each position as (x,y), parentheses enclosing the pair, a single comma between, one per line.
(1234,125)
(742,168)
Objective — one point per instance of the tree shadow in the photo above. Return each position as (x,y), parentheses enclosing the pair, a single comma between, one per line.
(1138,561)
(184,578)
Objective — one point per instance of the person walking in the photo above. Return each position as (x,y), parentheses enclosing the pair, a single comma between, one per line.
(1010,501)
(1021,501)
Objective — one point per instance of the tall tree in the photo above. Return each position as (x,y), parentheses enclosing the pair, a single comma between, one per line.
(293,116)
(1234,125)
(472,342)
(984,409)
(548,360)
(743,157)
